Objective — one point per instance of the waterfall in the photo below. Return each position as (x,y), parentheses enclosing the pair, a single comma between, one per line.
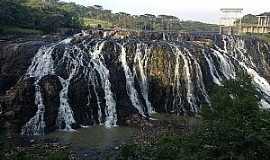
(188,82)
(84,66)
(42,65)
(226,66)
(225,43)
(213,71)
(139,59)
(258,81)
(177,95)
(132,93)
(111,116)
(65,117)
(264,104)
(36,125)
(93,80)
(163,36)
(199,78)
(244,57)
(240,55)
(65,114)
(74,60)
(89,73)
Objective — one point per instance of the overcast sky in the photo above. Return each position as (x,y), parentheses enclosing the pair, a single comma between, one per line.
(199,10)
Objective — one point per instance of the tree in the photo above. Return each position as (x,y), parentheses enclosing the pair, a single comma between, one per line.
(232,128)
(13,13)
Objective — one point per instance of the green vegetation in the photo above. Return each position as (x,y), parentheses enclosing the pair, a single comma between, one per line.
(22,15)
(93,23)
(11,152)
(50,156)
(251,19)
(192,26)
(265,37)
(51,16)
(39,151)
(248,19)
(58,156)
(17,30)
(232,128)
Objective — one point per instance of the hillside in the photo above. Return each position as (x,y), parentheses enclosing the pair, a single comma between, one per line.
(34,16)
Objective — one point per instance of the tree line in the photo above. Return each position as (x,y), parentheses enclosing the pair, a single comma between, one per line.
(44,15)
(51,15)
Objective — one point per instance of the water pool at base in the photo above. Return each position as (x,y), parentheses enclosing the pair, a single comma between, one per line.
(95,137)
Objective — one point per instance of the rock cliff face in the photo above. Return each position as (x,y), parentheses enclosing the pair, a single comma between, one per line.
(107,78)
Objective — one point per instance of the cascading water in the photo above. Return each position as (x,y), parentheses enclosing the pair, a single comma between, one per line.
(174,82)
(199,78)
(213,71)
(111,116)
(41,66)
(103,72)
(177,95)
(93,80)
(244,61)
(226,66)
(132,93)
(188,82)
(139,59)
(65,114)
(163,36)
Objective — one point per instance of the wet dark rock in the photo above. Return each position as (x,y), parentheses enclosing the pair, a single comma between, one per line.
(50,89)
(9,115)
(20,101)
(83,112)
(167,85)
(117,77)
(14,61)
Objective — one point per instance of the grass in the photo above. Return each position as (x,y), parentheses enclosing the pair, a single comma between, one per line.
(51,156)
(7,30)
(58,156)
(262,36)
(265,37)
(93,23)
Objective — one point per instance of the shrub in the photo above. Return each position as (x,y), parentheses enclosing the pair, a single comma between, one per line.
(232,128)
(58,156)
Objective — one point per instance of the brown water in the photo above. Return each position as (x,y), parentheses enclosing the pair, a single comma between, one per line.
(95,137)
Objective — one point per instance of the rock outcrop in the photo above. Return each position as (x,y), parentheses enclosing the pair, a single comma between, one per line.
(106,79)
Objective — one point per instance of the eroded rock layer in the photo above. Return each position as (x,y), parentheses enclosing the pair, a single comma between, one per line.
(104,80)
